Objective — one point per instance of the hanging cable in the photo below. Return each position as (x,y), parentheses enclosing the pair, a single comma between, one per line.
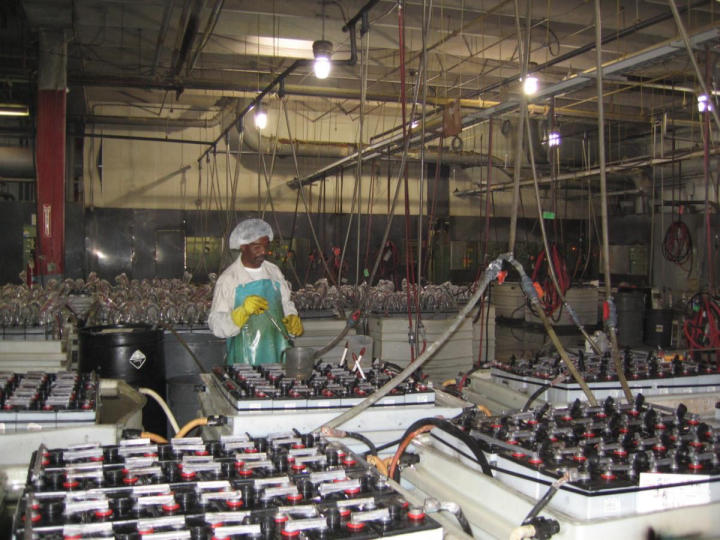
(304,200)
(702,323)
(611,318)
(403,107)
(357,190)
(492,272)
(427,17)
(523,53)
(677,244)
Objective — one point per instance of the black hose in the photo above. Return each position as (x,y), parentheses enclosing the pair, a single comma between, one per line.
(542,503)
(363,439)
(462,520)
(536,394)
(453,430)
(387,445)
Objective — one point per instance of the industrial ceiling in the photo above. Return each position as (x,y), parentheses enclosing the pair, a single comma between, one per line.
(191,62)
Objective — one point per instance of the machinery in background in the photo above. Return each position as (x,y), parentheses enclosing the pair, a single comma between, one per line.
(279,486)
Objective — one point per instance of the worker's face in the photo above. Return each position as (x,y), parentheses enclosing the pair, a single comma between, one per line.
(253,254)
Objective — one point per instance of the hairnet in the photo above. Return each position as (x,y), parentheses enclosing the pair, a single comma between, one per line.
(249,230)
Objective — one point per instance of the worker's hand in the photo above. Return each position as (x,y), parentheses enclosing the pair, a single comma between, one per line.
(293,324)
(255,304)
(239,316)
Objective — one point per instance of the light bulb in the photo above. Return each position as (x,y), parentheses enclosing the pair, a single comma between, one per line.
(704,103)
(530,85)
(553,139)
(322,51)
(322,67)
(260,118)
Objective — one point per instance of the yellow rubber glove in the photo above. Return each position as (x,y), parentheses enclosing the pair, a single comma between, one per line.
(252,305)
(255,304)
(293,324)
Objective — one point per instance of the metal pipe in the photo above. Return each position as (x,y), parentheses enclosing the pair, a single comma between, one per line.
(577,81)
(212,21)
(169,5)
(645,162)
(610,323)
(614,36)
(691,55)
(279,80)
(350,24)
(139,138)
(188,38)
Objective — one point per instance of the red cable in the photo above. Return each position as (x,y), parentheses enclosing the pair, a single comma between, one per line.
(552,299)
(702,330)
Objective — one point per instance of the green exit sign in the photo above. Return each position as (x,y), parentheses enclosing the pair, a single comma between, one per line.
(547,214)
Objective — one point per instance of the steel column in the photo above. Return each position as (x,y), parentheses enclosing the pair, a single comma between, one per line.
(50,154)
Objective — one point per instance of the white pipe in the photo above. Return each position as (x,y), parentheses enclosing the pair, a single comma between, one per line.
(163,405)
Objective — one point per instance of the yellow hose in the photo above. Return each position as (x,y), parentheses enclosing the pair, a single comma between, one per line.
(378,463)
(483,409)
(448,382)
(192,424)
(154,437)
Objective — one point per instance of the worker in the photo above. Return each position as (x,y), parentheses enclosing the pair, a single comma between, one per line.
(251,303)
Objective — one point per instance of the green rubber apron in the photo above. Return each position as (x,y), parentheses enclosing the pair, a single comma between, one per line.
(259,341)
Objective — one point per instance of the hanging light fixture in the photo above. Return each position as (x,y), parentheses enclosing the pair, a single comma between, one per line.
(530,85)
(322,50)
(704,103)
(553,139)
(260,116)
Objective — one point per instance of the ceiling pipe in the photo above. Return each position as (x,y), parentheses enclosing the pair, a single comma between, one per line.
(613,36)
(212,21)
(279,81)
(254,140)
(574,82)
(578,175)
(191,30)
(169,5)
(151,123)
(141,138)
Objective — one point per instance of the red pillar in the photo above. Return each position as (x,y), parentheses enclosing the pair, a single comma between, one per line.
(50,148)
(50,153)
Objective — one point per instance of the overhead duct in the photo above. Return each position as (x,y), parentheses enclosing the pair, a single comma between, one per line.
(254,140)
(17,162)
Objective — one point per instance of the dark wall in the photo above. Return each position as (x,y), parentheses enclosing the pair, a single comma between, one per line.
(13,216)
(110,241)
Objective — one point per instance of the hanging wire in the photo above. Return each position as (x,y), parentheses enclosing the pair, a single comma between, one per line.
(523,53)
(301,189)
(355,204)
(604,209)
